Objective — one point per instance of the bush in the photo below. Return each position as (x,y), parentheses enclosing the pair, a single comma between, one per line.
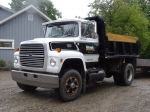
(9,64)
(2,63)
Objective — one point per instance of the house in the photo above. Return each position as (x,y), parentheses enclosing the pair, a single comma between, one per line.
(5,12)
(25,24)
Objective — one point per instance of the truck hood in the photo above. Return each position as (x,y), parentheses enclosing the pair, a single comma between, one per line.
(47,40)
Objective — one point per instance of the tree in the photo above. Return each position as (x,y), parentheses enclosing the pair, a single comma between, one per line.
(16,5)
(46,6)
(123,17)
(106,8)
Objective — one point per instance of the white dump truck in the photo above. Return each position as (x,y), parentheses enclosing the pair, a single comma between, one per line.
(73,54)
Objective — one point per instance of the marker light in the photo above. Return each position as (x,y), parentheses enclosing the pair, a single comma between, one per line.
(61,60)
(16,49)
(58,49)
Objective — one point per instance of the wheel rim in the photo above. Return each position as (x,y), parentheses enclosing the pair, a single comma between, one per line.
(72,84)
(129,74)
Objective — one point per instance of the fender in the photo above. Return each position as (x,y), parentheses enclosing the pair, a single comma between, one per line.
(67,55)
(63,56)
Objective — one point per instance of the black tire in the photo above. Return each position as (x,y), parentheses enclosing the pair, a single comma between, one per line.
(26,87)
(70,85)
(117,79)
(127,74)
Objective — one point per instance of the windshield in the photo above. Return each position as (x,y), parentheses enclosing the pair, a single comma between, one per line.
(63,29)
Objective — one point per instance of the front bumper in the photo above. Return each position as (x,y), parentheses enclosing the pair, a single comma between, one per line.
(35,79)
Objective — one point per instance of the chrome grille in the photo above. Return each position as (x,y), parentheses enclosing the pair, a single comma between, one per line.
(32,55)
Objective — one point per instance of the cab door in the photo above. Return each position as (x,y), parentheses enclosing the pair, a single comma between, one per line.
(89,42)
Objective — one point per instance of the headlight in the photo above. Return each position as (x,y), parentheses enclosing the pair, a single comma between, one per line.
(16,59)
(53,62)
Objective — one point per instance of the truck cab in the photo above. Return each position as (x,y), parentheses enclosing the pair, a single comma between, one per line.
(73,54)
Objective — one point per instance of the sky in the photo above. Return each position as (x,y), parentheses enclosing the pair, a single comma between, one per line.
(68,8)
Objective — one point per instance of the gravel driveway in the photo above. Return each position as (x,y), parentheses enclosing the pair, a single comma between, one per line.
(103,97)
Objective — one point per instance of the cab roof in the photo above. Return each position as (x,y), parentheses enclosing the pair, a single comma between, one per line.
(65,20)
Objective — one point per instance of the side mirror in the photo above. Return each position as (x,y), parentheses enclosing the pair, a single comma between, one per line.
(44,31)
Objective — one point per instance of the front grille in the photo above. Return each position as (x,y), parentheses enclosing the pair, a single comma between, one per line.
(32,55)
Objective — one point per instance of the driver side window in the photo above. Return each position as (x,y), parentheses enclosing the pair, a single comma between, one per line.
(87,30)
(83,27)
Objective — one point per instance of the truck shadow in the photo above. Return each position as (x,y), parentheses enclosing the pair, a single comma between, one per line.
(41,94)
(48,95)
(102,86)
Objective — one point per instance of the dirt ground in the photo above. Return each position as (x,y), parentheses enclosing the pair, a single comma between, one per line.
(103,97)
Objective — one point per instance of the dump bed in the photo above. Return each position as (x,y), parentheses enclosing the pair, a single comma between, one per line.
(113,45)
(121,46)
(121,38)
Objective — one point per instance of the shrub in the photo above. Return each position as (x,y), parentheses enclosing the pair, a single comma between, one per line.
(2,63)
(9,64)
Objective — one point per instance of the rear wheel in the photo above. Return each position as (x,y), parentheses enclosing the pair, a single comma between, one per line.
(127,74)
(26,87)
(70,85)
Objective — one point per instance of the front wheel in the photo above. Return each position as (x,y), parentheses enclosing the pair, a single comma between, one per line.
(26,87)
(117,78)
(70,85)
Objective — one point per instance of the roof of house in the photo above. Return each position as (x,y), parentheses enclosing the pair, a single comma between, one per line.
(7,9)
(23,10)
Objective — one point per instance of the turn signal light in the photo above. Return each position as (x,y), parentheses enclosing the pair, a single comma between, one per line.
(16,49)
(58,49)
(61,60)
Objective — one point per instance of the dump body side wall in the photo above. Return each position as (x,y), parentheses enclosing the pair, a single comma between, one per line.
(122,49)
